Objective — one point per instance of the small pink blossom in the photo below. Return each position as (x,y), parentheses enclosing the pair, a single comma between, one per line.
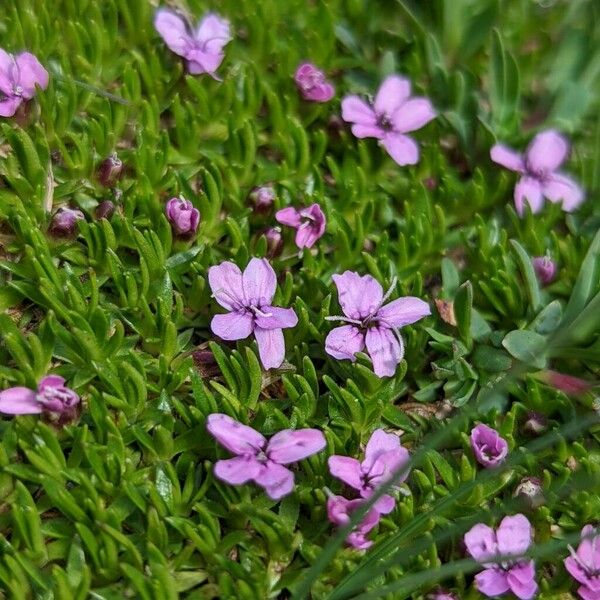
(262,198)
(489,448)
(19,76)
(507,544)
(372,323)
(64,222)
(248,299)
(339,512)
(182,215)
(545,269)
(584,565)
(540,177)
(309,222)
(201,47)
(393,114)
(312,83)
(384,458)
(258,460)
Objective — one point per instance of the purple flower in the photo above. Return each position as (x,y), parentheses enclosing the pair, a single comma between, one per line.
(263,197)
(508,544)
(312,83)
(64,222)
(274,241)
(545,269)
(309,222)
(182,215)
(104,210)
(258,460)
(393,114)
(371,324)
(339,512)
(539,175)
(384,457)
(248,297)
(584,565)
(489,448)
(52,397)
(18,77)
(110,170)
(201,47)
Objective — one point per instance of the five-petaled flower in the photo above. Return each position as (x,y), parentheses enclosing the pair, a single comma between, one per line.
(584,565)
(489,448)
(339,512)
(312,83)
(18,77)
(248,297)
(371,324)
(384,459)
(202,47)
(393,114)
(501,553)
(540,177)
(309,222)
(259,460)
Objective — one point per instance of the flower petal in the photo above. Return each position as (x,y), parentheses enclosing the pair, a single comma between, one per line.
(204,62)
(401,148)
(385,350)
(237,438)
(31,73)
(347,469)
(546,152)
(393,92)
(7,71)
(366,131)
(492,582)
(213,33)
(521,580)
(9,106)
(275,479)
(234,325)
(413,114)
(225,281)
(55,381)
(585,551)
(379,443)
(480,541)
(288,216)
(560,188)
(289,446)
(238,470)
(355,110)
(403,311)
(19,401)
(259,282)
(173,30)
(279,318)
(271,347)
(507,157)
(576,570)
(359,296)
(344,342)
(528,190)
(514,535)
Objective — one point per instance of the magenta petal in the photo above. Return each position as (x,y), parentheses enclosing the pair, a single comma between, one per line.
(288,216)
(19,401)
(55,381)
(401,148)
(9,106)
(384,505)
(521,580)
(6,73)
(480,541)
(379,443)
(366,131)
(271,347)
(259,282)
(492,582)
(305,237)
(359,296)
(389,464)
(528,190)
(289,446)
(393,92)
(413,114)
(173,30)
(355,110)
(31,73)
(204,62)
(508,158)
(560,188)
(213,33)
(225,282)
(576,570)
(347,469)
(385,350)
(344,342)
(238,470)
(547,152)
(279,318)
(587,594)
(275,479)
(237,438)
(585,551)
(403,311)
(232,326)
(514,535)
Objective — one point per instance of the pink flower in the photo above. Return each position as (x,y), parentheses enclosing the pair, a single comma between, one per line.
(263,197)
(507,544)
(545,269)
(52,397)
(182,215)
(201,47)
(584,565)
(258,460)
(489,448)
(384,457)
(312,83)
(393,114)
(64,222)
(371,323)
(339,512)
(309,222)
(18,77)
(248,297)
(539,175)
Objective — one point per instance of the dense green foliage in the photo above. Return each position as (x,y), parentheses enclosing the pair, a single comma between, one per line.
(123,503)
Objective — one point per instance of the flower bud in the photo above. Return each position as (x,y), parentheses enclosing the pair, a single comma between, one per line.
(574,386)
(530,491)
(262,198)
(205,363)
(64,222)
(184,218)
(545,269)
(536,423)
(489,448)
(274,242)
(110,170)
(312,84)
(105,210)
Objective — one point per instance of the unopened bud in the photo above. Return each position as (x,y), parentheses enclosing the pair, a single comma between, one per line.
(535,424)
(274,242)
(545,269)
(64,222)
(110,170)
(530,491)
(105,210)
(262,198)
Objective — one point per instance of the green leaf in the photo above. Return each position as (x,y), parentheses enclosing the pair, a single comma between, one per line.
(527,346)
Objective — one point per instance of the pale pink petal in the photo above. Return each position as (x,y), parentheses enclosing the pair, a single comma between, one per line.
(413,114)
(237,438)
(401,148)
(344,342)
(275,479)
(384,506)
(355,110)
(213,33)
(30,74)
(19,401)
(259,282)
(385,350)
(288,216)
(238,470)
(306,236)
(366,131)
(225,282)
(393,92)
(514,535)
(480,541)
(492,582)
(54,381)
(560,188)
(528,190)
(521,580)
(289,446)
(173,30)
(359,296)
(232,326)
(7,73)
(585,551)
(379,443)
(9,106)
(507,157)
(576,570)
(204,62)
(547,151)
(387,465)
(403,311)
(271,347)
(278,318)
(347,469)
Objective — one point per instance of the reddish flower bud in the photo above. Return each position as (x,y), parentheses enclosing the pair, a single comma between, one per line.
(184,218)
(64,222)
(545,269)
(274,242)
(110,170)
(105,210)
(262,198)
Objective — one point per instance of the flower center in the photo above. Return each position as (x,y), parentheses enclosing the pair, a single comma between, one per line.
(17,90)
(384,122)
